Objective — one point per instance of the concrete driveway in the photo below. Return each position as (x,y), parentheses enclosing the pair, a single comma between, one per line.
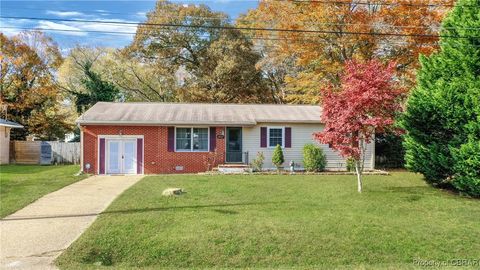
(34,236)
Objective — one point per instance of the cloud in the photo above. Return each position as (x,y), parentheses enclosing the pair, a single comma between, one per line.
(64,13)
(64,28)
(108,27)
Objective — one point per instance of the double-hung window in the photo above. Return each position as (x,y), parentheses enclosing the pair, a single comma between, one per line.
(191,139)
(276,136)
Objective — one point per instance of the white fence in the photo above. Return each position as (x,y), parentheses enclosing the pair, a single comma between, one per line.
(65,152)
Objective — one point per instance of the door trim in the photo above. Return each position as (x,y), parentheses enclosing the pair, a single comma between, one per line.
(226,144)
(106,137)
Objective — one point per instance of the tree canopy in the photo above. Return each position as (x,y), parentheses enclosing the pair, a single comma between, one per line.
(27,86)
(336,32)
(210,64)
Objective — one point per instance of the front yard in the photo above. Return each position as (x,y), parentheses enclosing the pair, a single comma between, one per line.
(20,185)
(280,222)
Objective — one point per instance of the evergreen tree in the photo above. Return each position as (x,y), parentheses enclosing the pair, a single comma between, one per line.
(277,157)
(97,89)
(443,111)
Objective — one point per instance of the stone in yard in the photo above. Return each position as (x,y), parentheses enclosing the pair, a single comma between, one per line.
(173,191)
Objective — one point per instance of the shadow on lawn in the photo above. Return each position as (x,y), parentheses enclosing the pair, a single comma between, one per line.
(154,209)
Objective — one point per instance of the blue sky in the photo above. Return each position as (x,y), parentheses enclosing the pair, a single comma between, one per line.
(125,11)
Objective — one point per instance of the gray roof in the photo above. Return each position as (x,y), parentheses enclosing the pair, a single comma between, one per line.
(197,114)
(9,124)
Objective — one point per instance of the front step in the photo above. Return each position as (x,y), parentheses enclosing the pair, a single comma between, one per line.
(234,168)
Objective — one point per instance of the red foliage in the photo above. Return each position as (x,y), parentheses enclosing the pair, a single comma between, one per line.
(366,104)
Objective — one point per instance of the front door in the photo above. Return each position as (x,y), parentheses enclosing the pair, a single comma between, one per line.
(121,157)
(234,145)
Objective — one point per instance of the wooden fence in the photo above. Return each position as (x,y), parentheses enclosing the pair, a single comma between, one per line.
(36,152)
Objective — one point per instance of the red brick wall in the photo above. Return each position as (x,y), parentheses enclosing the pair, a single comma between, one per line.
(157,159)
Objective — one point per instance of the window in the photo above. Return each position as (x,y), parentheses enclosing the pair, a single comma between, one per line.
(275,136)
(191,139)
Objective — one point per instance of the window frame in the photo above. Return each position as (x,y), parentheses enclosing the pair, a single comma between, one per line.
(191,140)
(268,136)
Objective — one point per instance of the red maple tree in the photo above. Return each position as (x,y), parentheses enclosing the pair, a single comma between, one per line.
(366,104)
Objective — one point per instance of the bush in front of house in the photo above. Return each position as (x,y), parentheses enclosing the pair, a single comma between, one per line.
(257,163)
(314,160)
(277,158)
(467,168)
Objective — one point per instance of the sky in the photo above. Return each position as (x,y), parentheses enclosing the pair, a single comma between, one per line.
(120,10)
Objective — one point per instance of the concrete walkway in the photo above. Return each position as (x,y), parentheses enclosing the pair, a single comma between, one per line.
(34,236)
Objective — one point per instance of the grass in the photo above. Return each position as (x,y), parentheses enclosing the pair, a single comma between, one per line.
(20,185)
(279,221)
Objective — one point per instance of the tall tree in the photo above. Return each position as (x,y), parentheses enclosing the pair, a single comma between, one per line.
(83,82)
(135,80)
(28,65)
(443,112)
(409,28)
(211,64)
(366,103)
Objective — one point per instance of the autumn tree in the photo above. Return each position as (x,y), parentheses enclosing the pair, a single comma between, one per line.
(88,86)
(211,62)
(28,64)
(324,35)
(366,103)
(134,80)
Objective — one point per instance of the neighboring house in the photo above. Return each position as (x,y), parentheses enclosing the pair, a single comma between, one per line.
(5,127)
(153,138)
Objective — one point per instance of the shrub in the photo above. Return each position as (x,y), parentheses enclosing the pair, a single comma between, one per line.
(257,163)
(467,168)
(277,158)
(314,160)
(350,164)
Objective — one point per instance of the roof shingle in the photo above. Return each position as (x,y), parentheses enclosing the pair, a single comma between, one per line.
(198,114)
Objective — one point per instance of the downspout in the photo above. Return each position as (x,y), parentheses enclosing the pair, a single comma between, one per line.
(81,148)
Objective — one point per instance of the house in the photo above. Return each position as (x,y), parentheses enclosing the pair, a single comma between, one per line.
(154,138)
(5,127)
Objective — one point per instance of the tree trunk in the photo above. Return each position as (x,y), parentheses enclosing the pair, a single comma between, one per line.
(359,176)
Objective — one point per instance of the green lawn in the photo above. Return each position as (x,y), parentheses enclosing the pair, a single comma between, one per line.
(22,184)
(271,221)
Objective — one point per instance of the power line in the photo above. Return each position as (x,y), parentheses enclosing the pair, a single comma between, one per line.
(366,3)
(238,28)
(259,38)
(226,18)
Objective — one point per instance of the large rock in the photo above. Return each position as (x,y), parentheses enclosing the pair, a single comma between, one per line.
(173,191)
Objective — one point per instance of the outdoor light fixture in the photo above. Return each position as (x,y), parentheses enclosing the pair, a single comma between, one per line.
(88,166)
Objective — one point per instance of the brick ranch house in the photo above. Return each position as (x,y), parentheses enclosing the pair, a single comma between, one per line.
(155,138)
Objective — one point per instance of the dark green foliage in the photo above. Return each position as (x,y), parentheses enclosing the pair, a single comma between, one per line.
(97,89)
(467,168)
(314,160)
(277,158)
(443,111)
(389,151)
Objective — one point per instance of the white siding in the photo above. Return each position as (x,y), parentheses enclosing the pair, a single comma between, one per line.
(301,135)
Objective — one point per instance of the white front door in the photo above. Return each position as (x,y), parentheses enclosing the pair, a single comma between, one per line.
(121,156)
